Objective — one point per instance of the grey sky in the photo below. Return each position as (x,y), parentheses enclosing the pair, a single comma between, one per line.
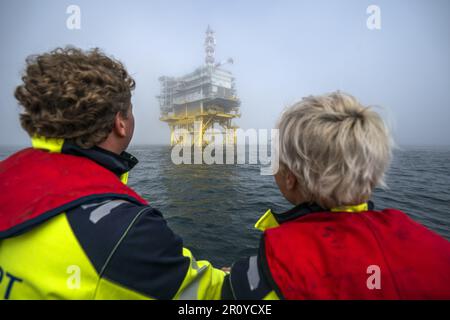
(283,50)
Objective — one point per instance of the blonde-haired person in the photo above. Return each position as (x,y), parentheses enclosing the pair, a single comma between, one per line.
(333,244)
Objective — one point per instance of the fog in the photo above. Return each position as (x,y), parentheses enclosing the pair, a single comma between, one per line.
(283,50)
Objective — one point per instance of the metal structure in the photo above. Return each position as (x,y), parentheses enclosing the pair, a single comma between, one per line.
(201,99)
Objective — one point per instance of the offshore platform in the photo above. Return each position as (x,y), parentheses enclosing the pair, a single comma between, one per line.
(200,100)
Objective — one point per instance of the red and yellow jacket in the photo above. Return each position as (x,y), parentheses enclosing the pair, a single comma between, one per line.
(350,252)
(71,229)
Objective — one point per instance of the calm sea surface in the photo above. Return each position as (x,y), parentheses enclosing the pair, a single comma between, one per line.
(214,207)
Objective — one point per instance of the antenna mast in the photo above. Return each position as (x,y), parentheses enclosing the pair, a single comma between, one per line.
(210,46)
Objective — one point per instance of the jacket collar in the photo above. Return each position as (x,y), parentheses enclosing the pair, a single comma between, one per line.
(271,219)
(120,165)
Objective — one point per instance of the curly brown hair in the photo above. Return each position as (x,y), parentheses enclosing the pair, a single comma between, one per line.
(73,94)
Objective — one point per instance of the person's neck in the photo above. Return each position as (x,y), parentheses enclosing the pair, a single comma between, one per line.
(111,146)
(295,199)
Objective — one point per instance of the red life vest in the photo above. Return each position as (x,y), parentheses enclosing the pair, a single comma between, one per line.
(331,255)
(36,185)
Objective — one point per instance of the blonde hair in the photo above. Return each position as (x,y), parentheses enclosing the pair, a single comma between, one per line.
(338,149)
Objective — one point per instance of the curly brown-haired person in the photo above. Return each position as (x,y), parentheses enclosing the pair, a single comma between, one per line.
(70,228)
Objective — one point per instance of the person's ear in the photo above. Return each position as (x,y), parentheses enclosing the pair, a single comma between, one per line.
(120,125)
(290,180)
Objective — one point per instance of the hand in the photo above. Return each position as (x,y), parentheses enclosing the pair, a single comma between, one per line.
(226,269)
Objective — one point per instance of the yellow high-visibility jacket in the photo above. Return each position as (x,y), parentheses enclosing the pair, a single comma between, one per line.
(103,248)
